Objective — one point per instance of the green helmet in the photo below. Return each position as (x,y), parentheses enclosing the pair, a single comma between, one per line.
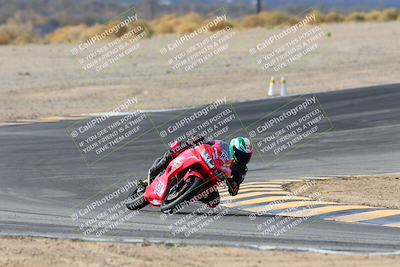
(241,149)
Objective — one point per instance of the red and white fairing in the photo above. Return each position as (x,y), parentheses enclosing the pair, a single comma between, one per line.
(202,161)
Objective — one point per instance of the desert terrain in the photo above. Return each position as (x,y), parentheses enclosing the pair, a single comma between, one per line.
(47,80)
(21,252)
(373,190)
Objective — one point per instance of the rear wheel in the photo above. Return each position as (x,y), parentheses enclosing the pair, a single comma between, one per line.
(136,200)
(179,192)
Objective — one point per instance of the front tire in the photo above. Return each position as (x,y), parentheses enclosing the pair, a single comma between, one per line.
(186,192)
(136,200)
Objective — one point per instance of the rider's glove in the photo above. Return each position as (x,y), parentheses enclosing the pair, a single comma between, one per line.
(220,175)
(196,140)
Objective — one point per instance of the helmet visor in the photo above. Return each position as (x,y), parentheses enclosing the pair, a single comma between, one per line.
(241,156)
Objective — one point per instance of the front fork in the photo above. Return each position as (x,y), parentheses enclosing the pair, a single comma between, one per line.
(148,178)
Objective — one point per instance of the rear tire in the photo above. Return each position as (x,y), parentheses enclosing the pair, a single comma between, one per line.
(136,200)
(191,186)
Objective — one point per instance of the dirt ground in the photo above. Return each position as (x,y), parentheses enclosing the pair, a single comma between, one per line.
(29,252)
(376,191)
(47,80)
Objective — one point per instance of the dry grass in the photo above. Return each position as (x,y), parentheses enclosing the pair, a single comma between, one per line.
(268,19)
(17,34)
(389,15)
(375,15)
(172,24)
(333,17)
(278,18)
(81,33)
(165,24)
(70,34)
(222,25)
(356,17)
(144,25)
(187,27)
(252,21)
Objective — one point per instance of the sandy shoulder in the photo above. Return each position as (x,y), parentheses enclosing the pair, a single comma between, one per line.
(29,252)
(376,191)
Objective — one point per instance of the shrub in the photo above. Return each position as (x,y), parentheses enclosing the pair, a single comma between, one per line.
(165,24)
(164,28)
(70,34)
(188,23)
(13,33)
(252,21)
(146,27)
(81,33)
(121,31)
(187,27)
(5,37)
(373,16)
(276,18)
(95,29)
(389,15)
(332,17)
(25,38)
(356,17)
(191,18)
(17,34)
(221,25)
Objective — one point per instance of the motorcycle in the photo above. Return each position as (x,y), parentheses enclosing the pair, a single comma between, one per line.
(187,176)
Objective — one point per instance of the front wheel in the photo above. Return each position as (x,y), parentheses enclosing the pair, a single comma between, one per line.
(178,193)
(136,200)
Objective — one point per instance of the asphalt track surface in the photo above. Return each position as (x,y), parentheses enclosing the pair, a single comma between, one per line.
(43,178)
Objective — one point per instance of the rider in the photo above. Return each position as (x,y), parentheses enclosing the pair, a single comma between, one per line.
(240,149)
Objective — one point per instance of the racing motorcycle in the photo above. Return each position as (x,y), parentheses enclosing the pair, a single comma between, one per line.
(188,175)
